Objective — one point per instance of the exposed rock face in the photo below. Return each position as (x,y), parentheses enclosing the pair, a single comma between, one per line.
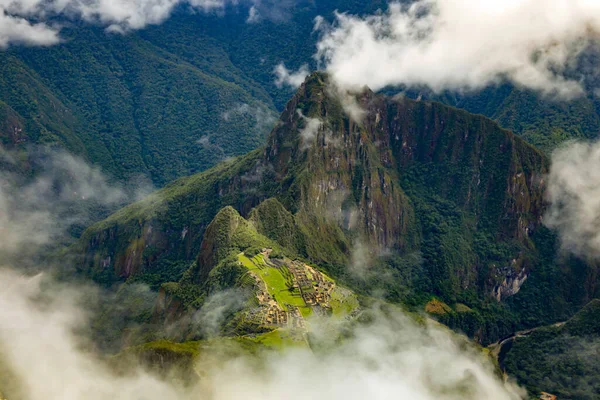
(12,130)
(344,170)
(381,179)
(511,284)
(484,169)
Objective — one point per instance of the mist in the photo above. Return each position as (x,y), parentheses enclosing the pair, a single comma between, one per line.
(387,355)
(573,192)
(285,77)
(51,196)
(50,347)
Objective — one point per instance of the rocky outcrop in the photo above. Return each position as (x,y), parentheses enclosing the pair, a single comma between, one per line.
(511,284)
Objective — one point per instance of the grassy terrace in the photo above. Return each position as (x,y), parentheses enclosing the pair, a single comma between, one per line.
(277,284)
(343,301)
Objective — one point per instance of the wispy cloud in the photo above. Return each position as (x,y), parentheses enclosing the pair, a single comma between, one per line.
(390,356)
(29,21)
(574,196)
(61,192)
(264,118)
(284,77)
(39,211)
(310,130)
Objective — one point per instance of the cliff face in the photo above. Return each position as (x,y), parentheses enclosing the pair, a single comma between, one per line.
(361,167)
(405,176)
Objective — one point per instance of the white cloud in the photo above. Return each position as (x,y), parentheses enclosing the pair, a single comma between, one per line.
(25,21)
(253,15)
(286,77)
(574,196)
(116,15)
(43,346)
(39,211)
(42,351)
(215,310)
(389,357)
(308,134)
(65,193)
(20,31)
(464,45)
(264,118)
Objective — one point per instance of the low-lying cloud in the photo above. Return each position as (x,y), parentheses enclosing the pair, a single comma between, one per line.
(390,356)
(466,45)
(42,352)
(39,211)
(263,118)
(47,198)
(574,195)
(310,130)
(47,354)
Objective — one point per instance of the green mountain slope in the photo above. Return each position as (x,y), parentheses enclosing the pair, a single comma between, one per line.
(132,107)
(543,122)
(175,99)
(417,200)
(562,359)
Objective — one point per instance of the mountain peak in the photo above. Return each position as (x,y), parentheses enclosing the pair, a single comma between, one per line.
(409,177)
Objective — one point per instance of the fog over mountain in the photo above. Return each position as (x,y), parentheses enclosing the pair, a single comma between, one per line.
(329,199)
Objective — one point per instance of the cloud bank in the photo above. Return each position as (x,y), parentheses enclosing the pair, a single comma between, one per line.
(574,196)
(285,77)
(389,357)
(465,45)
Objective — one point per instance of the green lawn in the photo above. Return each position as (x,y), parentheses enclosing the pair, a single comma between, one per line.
(276,283)
(343,301)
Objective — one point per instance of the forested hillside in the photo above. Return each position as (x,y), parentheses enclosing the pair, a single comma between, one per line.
(449,201)
(176,98)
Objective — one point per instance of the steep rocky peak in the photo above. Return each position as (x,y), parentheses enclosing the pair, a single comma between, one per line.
(318,116)
(347,153)
(402,176)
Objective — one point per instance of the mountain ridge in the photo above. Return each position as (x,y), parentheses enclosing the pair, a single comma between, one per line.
(445,202)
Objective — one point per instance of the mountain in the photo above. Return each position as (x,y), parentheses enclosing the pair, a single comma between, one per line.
(129,106)
(175,99)
(417,200)
(543,122)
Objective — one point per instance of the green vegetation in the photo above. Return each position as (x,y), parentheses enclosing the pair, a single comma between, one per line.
(450,197)
(278,339)
(167,101)
(277,285)
(562,360)
(132,106)
(543,122)
(453,196)
(343,302)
